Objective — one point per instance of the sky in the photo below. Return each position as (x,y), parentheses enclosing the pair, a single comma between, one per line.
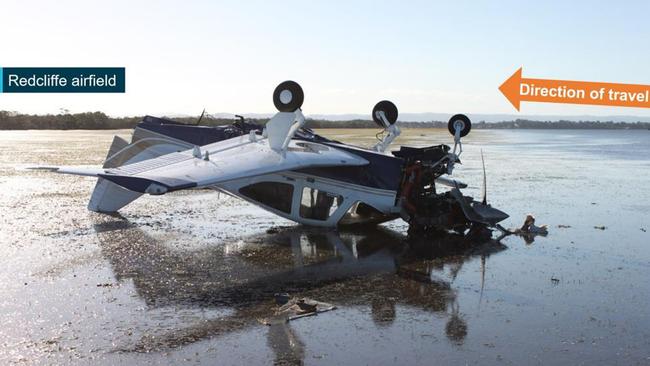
(228,56)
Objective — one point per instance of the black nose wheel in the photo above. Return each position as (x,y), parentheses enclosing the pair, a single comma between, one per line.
(390,111)
(462,121)
(288,96)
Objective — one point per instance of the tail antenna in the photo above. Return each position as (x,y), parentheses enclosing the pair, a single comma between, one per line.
(200,117)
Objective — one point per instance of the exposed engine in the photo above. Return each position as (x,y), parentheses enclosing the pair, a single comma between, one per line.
(427,209)
(422,206)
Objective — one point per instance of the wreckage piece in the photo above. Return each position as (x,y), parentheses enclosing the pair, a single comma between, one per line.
(478,212)
(528,231)
(426,209)
(529,226)
(296,308)
(287,169)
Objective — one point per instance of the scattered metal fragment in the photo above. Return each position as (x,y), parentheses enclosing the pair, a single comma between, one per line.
(529,226)
(296,308)
(528,230)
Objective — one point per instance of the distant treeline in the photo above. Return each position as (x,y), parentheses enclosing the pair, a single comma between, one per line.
(562,124)
(88,121)
(100,121)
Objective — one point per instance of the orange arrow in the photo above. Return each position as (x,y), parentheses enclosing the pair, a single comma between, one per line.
(517,89)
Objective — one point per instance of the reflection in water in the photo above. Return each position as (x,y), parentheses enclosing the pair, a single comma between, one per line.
(456,328)
(377,268)
(286,345)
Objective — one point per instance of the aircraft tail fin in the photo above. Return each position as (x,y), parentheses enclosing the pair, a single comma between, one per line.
(108,196)
(117,145)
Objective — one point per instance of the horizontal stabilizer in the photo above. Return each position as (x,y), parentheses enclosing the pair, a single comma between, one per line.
(146,185)
(74,170)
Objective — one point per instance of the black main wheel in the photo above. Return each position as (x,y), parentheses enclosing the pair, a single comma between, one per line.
(389,109)
(288,96)
(462,121)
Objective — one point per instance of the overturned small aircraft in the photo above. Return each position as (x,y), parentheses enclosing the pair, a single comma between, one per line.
(289,170)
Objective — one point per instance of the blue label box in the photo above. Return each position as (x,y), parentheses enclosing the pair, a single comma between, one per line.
(62,80)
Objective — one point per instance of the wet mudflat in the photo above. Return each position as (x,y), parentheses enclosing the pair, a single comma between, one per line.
(189,277)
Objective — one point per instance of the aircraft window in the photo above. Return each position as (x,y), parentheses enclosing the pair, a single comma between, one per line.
(361,213)
(273,194)
(318,205)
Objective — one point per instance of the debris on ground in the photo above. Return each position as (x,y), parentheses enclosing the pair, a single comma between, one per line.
(528,230)
(561,226)
(600,227)
(642,229)
(295,308)
(529,226)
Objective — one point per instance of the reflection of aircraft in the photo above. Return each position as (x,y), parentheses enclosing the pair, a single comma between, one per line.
(377,268)
(289,170)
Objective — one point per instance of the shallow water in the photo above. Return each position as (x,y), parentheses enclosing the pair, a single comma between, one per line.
(187,277)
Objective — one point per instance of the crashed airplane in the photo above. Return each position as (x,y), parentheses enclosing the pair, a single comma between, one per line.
(287,169)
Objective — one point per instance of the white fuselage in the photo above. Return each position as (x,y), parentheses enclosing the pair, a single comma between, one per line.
(345,197)
(343,208)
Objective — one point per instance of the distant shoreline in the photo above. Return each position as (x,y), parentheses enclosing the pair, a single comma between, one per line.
(100,121)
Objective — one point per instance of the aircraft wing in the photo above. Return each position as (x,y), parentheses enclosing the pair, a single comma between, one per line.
(74,170)
(224,161)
